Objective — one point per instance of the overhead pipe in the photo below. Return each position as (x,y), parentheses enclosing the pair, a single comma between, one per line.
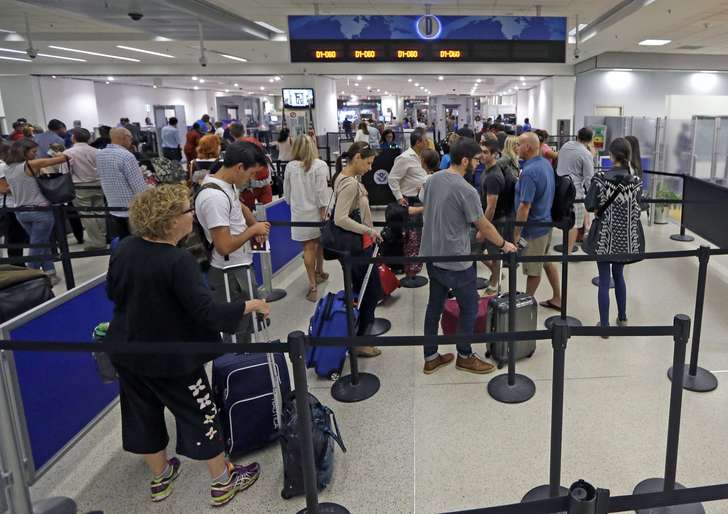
(206,11)
(609,18)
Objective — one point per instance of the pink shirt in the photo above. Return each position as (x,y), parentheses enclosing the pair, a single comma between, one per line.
(83,163)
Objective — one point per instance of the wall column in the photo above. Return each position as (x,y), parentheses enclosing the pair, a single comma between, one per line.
(325,110)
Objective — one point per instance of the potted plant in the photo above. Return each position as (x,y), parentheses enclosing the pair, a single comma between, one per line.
(661,209)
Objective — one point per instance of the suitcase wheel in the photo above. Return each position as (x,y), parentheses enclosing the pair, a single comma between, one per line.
(501,364)
(286,495)
(334,376)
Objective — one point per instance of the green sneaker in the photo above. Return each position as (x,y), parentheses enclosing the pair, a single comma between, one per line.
(161,488)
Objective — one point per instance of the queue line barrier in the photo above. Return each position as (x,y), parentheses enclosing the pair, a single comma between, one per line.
(579,499)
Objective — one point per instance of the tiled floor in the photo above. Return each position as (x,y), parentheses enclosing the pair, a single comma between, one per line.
(439,443)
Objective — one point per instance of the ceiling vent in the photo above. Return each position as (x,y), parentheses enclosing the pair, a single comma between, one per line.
(689,47)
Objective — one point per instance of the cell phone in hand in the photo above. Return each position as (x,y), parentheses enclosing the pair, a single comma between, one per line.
(522,244)
(256,247)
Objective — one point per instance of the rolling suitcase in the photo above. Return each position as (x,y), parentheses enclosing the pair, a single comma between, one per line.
(451,316)
(330,320)
(249,390)
(526,319)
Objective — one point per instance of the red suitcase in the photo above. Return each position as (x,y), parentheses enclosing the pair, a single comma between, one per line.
(451,315)
(389,281)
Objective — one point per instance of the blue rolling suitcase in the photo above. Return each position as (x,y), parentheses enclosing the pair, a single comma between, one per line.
(249,389)
(329,320)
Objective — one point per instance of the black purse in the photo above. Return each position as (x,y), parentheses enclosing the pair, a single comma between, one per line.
(57,188)
(336,241)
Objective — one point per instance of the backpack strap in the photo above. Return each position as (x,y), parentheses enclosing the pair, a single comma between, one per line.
(606,205)
(210,245)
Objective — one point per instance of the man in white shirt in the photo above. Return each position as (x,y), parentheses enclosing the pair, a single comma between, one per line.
(407,175)
(229,225)
(88,190)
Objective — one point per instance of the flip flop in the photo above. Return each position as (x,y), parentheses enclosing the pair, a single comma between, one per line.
(548,305)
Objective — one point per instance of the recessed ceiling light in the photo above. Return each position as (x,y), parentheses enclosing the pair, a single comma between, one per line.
(132,49)
(440,78)
(15,59)
(356,84)
(13,51)
(522,79)
(269,27)
(53,76)
(386,92)
(358,77)
(196,88)
(93,53)
(107,82)
(270,80)
(227,90)
(109,78)
(409,80)
(369,87)
(479,81)
(202,81)
(194,78)
(234,58)
(379,90)
(523,83)
(417,84)
(154,86)
(276,78)
(236,85)
(262,88)
(655,42)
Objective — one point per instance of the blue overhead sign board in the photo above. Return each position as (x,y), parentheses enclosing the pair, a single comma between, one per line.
(361,38)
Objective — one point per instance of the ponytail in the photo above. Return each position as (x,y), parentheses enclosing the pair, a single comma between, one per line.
(621,152)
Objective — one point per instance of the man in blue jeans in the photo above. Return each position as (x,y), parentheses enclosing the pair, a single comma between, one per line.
(451,206)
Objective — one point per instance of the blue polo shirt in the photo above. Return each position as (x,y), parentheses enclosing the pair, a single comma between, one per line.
(536,186)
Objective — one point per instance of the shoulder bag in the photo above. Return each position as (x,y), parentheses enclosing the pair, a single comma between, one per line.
(337,241)
(589,244)
(57,188)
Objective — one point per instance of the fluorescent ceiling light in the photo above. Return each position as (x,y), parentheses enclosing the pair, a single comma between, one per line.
(8,31)
(479,81)
(588,36)
(262,88)
(202,81)
(356,84)
(14,59)
(162,39)
(196,87)
(358,77)
(154,86)
(409,80)
(582,26)
(270,80)
(234,58)
(11,50)
(227,90)
(417,84)
(276,78)
(109,78)
(622,69)
(236,85)
(53,76)
(440,78)
(93,53)
(132,49)
(269,27)
(655,42)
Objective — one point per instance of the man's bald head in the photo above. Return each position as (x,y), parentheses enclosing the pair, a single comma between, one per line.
(528,146)
(121,137)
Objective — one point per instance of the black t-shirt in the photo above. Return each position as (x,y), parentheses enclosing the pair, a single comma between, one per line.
(159,295)
(496,182)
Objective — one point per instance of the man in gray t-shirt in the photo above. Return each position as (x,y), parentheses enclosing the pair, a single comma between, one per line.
(577,161)
(451,206)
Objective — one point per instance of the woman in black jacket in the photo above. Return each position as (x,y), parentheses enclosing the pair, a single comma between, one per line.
(615,198)
(159,295)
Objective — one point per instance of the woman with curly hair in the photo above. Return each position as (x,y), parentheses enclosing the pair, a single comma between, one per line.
(148,271)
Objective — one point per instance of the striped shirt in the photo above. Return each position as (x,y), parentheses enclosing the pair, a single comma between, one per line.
(120,177)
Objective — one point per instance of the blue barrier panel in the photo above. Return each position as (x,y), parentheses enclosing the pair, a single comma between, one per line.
(61,393)
(282,248)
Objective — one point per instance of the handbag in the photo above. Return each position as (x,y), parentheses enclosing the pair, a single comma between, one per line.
(336,240)
(56,187)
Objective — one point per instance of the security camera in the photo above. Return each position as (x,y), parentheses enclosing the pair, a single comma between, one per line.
(577,54)
(32,52)
(203,61)
(135,10)
(136,15)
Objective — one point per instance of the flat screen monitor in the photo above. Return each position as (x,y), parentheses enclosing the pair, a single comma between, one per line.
(298,98)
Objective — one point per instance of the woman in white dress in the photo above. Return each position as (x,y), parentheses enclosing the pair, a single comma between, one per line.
(306,190)
(362,134)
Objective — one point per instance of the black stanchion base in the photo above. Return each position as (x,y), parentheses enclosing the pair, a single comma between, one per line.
(379,326)
(595,281)
(328,508)
(560,248)
(275,295)
(55,505)
(703,381)
(345,391)
(413,282)
(571,321)
(682,237)
(521,391)
(481,283)
(656,485)
(543,492)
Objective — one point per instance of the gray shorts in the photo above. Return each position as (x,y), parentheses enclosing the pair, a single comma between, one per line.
(536,248)
(579,211)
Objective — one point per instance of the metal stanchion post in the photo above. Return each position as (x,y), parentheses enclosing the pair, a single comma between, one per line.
(511,387)
(682,236)
(60,225)
(297,354)
(570,320)
(357,386)
(668,483)
(559,338)
(584,498)
(698,379)
(271,294)
(417,280)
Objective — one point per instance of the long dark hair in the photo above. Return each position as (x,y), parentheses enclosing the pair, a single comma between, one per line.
(636,156)
(364,127)
(19,149)
(621,152)
(359,148)
(284,135)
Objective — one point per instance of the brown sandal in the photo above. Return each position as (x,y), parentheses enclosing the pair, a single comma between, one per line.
(312,295)
(321,277)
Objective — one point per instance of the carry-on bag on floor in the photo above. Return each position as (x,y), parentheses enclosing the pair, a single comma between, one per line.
(248,390)
(389,281)
(21,289)
(526,319)
(324,435)
(329,320)
(451,316)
